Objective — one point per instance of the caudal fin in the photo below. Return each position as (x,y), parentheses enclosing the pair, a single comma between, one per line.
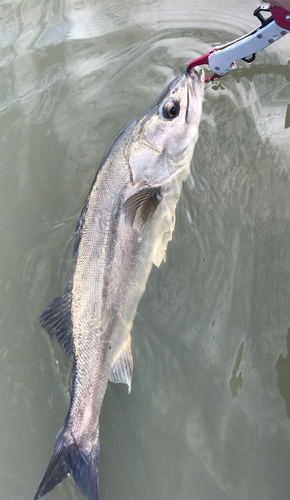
(71,459)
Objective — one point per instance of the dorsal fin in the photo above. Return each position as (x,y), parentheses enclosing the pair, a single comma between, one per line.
(56,320)
(122,368)
(81,222)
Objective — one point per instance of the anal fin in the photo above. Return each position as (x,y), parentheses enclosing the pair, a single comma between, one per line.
(122,368)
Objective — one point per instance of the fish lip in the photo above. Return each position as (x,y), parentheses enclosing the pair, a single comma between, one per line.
(196,75)
(195,92)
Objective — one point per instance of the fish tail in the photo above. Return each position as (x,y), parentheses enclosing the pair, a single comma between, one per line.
(74,460)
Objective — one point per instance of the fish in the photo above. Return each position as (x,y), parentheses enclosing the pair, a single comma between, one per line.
(124,228)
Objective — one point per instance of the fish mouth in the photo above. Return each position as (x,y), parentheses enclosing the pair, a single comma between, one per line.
(195,92)
(197,75)
(195,83)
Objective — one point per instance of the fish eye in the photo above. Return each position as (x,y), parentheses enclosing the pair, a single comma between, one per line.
(170,109)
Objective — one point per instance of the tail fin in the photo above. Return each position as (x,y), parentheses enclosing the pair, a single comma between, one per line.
(71,459)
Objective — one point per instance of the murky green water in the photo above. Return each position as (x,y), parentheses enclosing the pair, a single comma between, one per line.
(208,416)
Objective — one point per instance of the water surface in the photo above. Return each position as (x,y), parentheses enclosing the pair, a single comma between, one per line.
(208,416)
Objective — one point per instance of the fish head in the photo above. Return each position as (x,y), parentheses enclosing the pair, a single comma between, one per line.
(168,130)
(173,123)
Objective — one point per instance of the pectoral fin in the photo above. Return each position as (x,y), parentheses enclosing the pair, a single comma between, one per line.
(140,207)
(122,368)
(159,253)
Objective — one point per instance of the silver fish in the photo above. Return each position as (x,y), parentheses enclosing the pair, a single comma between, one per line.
(124,228)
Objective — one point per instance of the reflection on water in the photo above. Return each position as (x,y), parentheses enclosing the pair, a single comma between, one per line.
(283,370)
(208,416)
(287,119)
(237,380)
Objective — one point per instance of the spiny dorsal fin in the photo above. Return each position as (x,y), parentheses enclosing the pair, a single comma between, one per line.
(79,227)
(140,207)
(81,222)
(122,368)
(56,320)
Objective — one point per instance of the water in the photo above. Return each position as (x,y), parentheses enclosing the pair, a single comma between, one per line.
(208,416)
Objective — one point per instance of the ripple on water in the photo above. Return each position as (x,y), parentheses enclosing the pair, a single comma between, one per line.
(208,409)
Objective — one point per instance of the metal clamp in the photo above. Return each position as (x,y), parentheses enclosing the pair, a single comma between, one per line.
(222,59)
